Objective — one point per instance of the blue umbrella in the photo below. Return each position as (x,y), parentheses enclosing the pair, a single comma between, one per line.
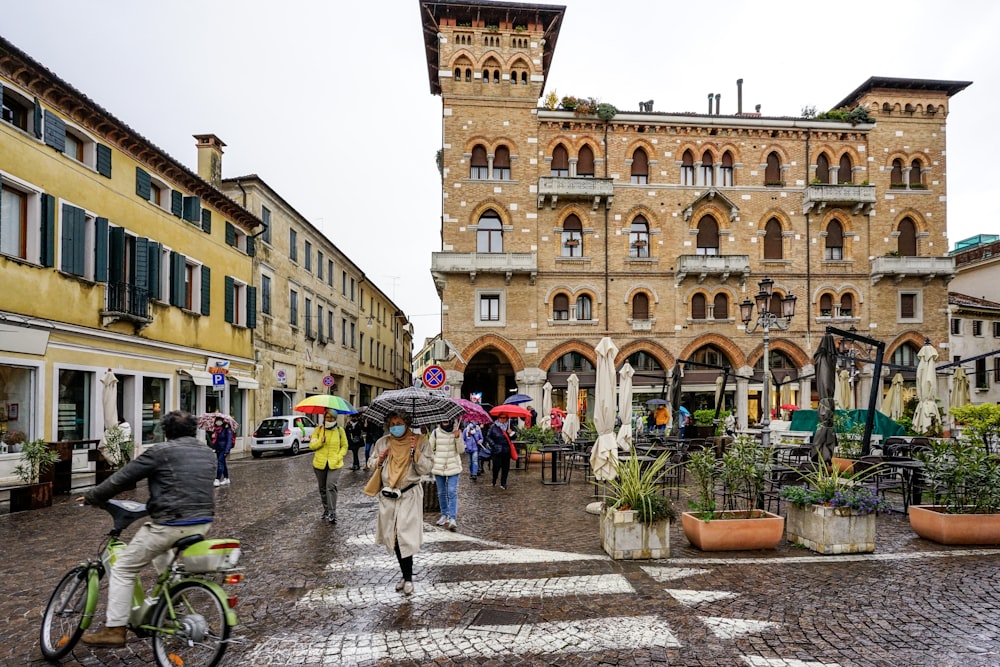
(685,410)
(656,401)
(516,399)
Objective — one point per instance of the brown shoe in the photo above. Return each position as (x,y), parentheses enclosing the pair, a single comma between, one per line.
(114,637)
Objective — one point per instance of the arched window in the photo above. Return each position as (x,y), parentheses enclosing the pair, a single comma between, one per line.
(896,175)
(907,241)
(583,307)
(834,241)
(560,161)
(846,172)
(772,239)
(726,171)
(710,354)
(687,168)
(560,307)
(496,76)
(585,163)
(489,233)
(640,307)
(698,306)
(905,355)
(524,78)
(458,74)
(707,169)
(638,238)
(721,309)
(501,164)
(826,305)
(822,168)
(847,305)
(486,76)
(772,173)
(916,177)
(640,167)
(572,237)
(478,165)
(775,304)
(708,236)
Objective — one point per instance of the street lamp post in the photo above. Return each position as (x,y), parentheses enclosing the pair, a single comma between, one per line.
(766,320)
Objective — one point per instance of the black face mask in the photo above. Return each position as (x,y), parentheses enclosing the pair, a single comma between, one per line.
(448,426)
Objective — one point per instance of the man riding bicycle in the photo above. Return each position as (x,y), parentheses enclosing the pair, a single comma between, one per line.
(180,474)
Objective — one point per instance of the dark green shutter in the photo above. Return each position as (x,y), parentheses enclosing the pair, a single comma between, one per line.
(101,250)
(230,234)
(206,221)
(74,229)
(140,269)
(142,183)
(230,299)
(206,290)
(251,246)
(192,209)
(176,203)
(251,307)
(47,256)
(38,122)
(104,160)
(177,271)
(55,132)
(154,250)
(116,255)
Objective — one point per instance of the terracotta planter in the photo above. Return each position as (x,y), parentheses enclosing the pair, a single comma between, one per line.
(843,465)
(932,523)
(623,537)
(31,497)
(827,530)
(763,531)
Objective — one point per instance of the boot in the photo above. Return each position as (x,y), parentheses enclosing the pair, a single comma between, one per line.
(113,637)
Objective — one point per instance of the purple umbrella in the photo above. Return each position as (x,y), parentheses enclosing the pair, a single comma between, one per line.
(517,399)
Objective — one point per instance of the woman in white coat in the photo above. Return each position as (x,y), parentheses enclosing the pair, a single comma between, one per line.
(404,458)
(448,445)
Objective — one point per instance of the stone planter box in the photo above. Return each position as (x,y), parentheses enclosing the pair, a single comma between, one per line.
(932,523)
(623,537)
(762,530)
(829,530)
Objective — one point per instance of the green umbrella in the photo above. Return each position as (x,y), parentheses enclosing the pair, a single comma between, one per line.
(320,403)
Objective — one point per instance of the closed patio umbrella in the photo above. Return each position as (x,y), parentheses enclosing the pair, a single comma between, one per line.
(960,389)
(546,419)
(604,454)
(926,415)
(842,395)
(624,436)
(892,404)
(825,362)
(676,378)
(109,399)
(571,424)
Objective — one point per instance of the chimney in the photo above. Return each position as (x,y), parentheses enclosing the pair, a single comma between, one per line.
(717,98)
(209,158)
(710,96)
(758,109)
(739,97)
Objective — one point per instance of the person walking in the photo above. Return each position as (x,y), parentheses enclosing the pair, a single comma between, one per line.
(661,418)
(329,442)
(181,503)
(473,437)
(500,448)
(447,445)
(221,440)
(403,458)
(355,439)
(373,431)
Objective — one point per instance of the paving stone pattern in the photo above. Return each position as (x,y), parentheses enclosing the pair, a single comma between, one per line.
(524,582)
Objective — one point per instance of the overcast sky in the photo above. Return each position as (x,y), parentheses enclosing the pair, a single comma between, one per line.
(329,102)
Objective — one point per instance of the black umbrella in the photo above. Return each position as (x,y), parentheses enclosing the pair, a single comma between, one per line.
(424,406)
(675,399)
(825,362)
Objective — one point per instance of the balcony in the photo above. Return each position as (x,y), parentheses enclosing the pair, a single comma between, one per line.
(507,263)
(703,266)
(594,189)
(125,301)
(859,198)
(926,268)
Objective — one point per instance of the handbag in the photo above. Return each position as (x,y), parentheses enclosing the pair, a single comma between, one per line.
(374,484)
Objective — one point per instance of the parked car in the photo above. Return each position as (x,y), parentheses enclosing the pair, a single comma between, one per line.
(285,433)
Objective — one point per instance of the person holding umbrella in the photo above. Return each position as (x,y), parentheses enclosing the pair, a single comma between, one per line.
(500,450)
(329,442)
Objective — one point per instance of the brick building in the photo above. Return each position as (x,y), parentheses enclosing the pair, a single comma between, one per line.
(564,222)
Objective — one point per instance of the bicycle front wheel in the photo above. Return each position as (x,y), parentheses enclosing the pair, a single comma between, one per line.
(65,614)
(191,628)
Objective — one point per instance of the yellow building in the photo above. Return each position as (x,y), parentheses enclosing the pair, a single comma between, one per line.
(567,221)
(113,257)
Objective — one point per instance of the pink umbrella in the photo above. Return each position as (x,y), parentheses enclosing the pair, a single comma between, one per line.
(473,412)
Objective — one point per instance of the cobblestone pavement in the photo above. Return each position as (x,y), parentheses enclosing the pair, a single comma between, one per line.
(524,582)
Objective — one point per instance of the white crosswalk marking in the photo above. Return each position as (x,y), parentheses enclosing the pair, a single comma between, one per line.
(691,598)
(471,557)
(731,628)
(758,661)
(663,574)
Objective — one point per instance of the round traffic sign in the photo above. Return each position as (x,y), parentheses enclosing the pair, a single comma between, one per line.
(328,381)
(433,376)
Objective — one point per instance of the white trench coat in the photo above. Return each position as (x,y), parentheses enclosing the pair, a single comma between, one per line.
(402,519)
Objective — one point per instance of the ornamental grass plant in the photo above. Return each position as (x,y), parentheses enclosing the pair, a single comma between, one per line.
(638,486)
(830,486)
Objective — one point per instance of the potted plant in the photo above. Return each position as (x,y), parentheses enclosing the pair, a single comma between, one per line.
(534,438)
(965,480)
(703,424)
(14,440)
(635,523)
(737,522)
(34,471)
(850,434)
(114,452)
(833,512)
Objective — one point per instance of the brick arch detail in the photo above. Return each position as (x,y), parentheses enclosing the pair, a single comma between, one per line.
(650,347)
(781,216)
(791,350)
(555,141)
(783,157)
(714,211)
(843,218)
(583,348)
(588,141)
(644,145)
(518,59)
(494,341)
(917,339)
(458,55)
(918,220)
(490,204)
(732,352)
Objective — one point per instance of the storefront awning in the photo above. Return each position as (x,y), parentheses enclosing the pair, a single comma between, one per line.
(246,382)
(201,378)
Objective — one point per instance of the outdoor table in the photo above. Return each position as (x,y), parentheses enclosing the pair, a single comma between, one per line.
(909,470)
(559,468)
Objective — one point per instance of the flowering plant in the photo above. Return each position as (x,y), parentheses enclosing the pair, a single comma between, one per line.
(830,486)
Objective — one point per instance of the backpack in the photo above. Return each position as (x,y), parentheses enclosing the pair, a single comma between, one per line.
(484,451)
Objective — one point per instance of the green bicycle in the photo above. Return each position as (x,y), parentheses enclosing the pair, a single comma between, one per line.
(187,612)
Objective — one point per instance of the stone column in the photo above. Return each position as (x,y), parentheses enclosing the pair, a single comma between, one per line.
(454,380)
(742,399)
(530,381)
(805,386)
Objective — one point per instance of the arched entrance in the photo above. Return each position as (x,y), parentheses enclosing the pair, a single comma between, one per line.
(558,375)
(784,386)
(488,377)
(701,372)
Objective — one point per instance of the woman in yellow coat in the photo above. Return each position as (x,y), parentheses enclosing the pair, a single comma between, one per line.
(329,442)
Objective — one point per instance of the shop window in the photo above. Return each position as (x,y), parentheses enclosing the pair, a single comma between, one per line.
(17,399)
(75,408)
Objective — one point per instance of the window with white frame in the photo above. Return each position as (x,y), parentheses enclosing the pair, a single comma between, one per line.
(265,294)
(583,308)
(909,306)
(956,326)
(996,329)
(77,241)
(560,307)
(20,220)
(17,110)
(977,327)
(490,308)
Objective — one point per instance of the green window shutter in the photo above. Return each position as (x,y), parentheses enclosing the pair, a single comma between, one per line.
(192,209)
(230,299)
(142,183)
(38,121)
(104,160)
(206,290)
(178,297)
(251,246)
(251,307)
(140,261)
(47,256)
(116,255)
(74,227)
(153,265)
(101,250)
(230,234)
(55,131)
(176,203)
(206,221)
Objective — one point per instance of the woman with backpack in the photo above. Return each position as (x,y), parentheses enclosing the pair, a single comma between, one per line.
(473,437)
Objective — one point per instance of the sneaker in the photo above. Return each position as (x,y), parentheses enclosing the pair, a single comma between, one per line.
(400,584)
(332,518)
(216,483)
(503,487)
(452,526)
(443,520)
(225,482)
(407,588)
(114,637)
(325,517)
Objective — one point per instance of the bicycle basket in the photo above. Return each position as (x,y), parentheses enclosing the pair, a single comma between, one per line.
(211,555)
